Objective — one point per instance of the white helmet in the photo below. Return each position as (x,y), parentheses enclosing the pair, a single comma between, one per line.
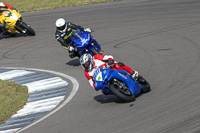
(61,24)
(1,4)
(86,61)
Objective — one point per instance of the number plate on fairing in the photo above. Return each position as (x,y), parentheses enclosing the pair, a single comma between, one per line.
(98,75)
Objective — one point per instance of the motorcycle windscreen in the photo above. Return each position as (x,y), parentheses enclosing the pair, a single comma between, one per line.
(80,39)
(98,75)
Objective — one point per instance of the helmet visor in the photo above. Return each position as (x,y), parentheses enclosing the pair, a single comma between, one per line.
(61,27)
(87,65)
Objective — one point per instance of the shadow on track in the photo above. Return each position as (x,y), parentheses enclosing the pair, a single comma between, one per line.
(74,62)
(107,99)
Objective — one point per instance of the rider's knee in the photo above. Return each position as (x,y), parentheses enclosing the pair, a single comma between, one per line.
(121,64)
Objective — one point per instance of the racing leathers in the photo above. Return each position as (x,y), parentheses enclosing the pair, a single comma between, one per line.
(2,5)
(64,37)
(106,61)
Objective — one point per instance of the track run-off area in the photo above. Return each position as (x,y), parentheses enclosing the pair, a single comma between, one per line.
(158,38)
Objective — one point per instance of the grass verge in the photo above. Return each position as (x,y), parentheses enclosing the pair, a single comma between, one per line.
(36,5)
(12,98)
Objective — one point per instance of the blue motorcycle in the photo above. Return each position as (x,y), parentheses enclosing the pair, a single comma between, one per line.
(85,43)
(120,83)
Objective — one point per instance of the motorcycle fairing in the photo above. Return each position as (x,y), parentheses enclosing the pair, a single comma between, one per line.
(110,74)
(11,17)
(83,41)
(80,38)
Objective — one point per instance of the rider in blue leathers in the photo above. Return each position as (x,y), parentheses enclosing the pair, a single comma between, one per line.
(64,32)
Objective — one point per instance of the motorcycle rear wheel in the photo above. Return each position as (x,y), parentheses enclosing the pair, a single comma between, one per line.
(116,91)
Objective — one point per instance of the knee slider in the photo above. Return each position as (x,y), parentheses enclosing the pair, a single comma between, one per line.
(121,64)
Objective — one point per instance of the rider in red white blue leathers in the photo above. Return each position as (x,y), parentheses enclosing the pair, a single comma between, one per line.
(91,64)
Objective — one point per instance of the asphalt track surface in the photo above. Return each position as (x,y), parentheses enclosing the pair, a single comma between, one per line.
(158,38)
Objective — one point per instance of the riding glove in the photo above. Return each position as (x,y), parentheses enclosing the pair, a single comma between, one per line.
(87,30)
(135,74)
(70,48)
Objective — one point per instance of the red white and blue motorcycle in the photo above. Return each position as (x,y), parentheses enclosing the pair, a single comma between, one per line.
(120,83)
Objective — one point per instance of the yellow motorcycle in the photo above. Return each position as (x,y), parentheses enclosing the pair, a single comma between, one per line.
(14,23)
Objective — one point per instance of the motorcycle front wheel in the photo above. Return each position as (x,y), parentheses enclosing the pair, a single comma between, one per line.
(27,29)
(127,96)
(95,51)
(145,85)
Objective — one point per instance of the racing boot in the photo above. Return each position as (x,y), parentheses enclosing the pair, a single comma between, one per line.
(72,52)
(104,92)
(135,75)
(2,31)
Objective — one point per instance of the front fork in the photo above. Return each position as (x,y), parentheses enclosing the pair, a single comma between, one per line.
(94,50)
(18,27)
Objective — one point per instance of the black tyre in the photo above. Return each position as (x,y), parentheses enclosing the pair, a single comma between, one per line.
(128,97)
(94,51)
(145,85)
(28,30)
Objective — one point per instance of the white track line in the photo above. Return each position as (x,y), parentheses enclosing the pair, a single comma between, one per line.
(73,91)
